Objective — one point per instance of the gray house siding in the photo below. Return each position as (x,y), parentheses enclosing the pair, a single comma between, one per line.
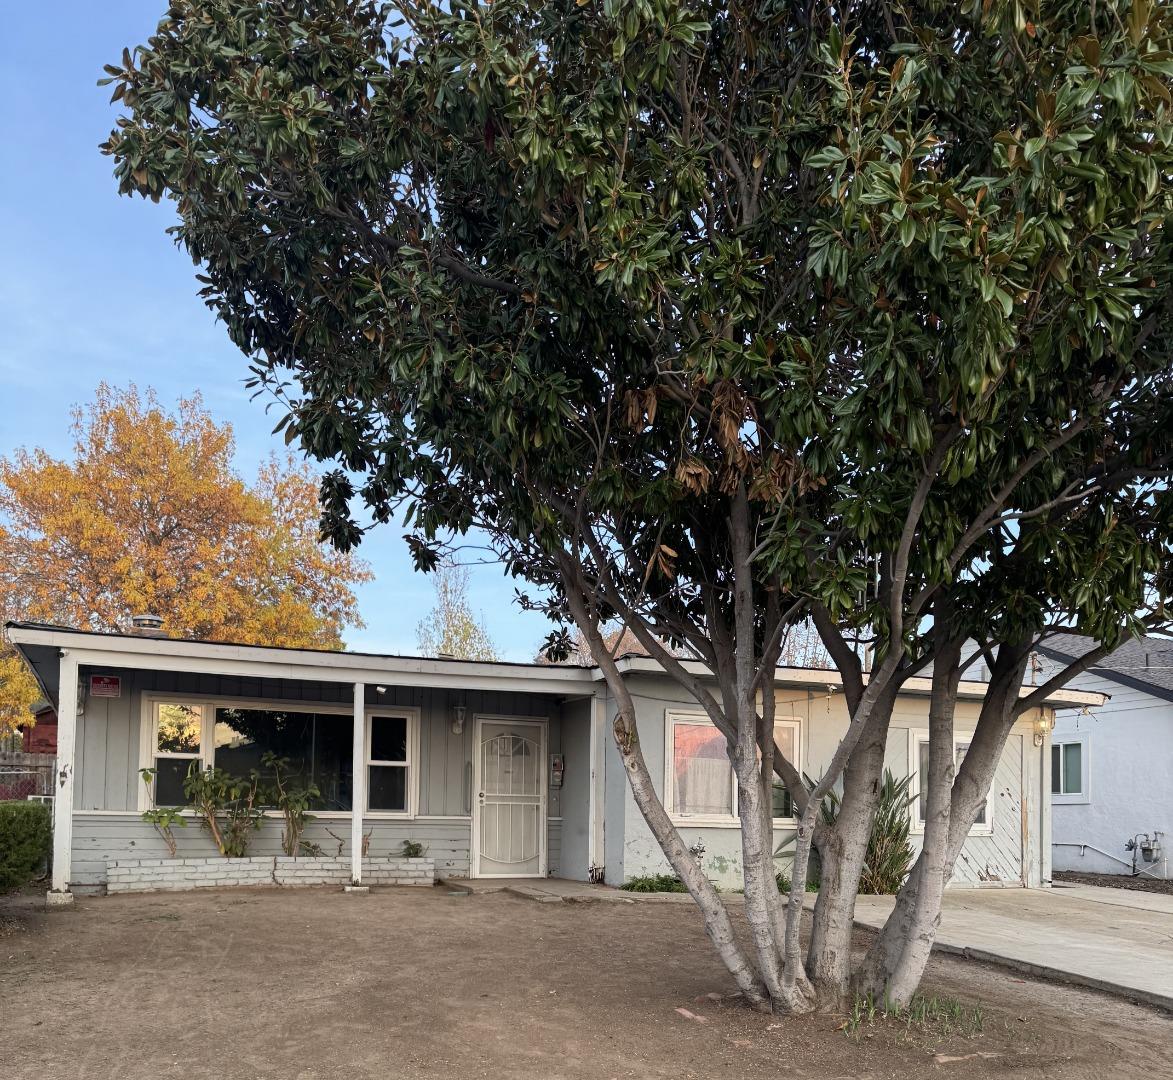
(1129,746)
(575,796)
(985,860)
(108,826)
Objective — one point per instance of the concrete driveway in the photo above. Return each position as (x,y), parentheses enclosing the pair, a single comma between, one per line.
(1108,939)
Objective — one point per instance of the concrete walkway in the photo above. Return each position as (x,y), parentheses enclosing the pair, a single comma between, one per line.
(1108,939)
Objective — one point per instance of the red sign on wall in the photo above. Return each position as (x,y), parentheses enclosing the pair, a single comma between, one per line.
(105,686)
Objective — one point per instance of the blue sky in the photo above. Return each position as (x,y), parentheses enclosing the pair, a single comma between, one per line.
(92,289)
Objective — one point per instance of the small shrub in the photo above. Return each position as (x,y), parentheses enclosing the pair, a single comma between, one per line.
(413,849)
(293,801)
(889,853)
(25,835)
(227,807)
(812,879)
(654,883)
(162,818)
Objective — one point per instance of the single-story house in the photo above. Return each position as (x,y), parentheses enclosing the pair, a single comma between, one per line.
(497,769)
(1112,770)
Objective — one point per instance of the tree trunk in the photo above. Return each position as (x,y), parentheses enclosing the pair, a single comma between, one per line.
(888,962)
(935,866)
(846,844)
(716,919)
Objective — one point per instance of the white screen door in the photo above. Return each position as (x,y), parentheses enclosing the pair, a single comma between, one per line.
(509,820)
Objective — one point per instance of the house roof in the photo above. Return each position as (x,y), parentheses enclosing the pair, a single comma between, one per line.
(41,643)
(1144,664)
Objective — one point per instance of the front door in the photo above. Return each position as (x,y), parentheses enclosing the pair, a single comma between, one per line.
(509,811)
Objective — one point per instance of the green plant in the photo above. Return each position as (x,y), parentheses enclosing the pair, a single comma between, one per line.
(227,806)
(25,835)
(293,802)
(812,879)
(413,849)
(928,1013)
(889,853)
(646,883)
(163,818)
(310,850)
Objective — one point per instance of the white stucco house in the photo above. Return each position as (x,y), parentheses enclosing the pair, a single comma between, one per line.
(1112,767)
(496,769)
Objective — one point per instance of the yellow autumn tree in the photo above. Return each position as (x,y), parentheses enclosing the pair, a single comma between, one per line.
(150,516)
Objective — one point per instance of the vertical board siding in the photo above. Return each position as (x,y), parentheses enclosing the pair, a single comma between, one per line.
(985,860)
(107,766)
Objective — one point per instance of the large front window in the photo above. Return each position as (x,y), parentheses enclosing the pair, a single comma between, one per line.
(316,748)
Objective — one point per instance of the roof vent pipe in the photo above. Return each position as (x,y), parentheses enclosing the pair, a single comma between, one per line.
(147,626)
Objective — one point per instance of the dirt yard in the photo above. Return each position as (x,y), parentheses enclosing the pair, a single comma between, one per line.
(1116,881)
(403,983)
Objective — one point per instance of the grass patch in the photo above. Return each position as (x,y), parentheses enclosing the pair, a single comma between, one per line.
(927,1013)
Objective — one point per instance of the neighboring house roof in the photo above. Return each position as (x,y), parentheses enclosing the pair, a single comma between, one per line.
(40,644)
(1144,664)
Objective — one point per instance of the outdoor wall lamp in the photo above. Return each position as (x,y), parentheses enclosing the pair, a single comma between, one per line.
(1044,725)
(457,719)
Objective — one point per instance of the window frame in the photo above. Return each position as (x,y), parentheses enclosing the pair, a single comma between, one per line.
(411,764)
(155,754)
(1072,798)
(918,737)
(672,717)
(148,736)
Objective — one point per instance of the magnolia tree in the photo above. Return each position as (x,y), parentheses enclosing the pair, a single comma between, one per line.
(717,320)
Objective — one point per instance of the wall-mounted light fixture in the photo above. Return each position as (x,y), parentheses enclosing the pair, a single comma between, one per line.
(458,711)
(1044,725)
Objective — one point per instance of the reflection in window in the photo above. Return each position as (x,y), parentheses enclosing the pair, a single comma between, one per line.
(178,739)
(1067,768)
(179,728)
(317,747)
(387,764)
(701,773)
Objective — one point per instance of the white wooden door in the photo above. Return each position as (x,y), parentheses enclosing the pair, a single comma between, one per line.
(509,805)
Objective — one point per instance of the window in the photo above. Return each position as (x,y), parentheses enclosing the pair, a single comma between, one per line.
(317,745)
(1069,769)
(388,739)
(982,823)
(317,749)
(702,778)
(700,781)
(179,738)
(786,740)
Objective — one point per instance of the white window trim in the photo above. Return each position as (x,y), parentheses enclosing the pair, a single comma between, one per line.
(917,737)
(672,717)
(148,717)
(412,715)
(1084,795)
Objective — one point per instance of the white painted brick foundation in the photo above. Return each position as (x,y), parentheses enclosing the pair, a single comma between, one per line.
(177,875)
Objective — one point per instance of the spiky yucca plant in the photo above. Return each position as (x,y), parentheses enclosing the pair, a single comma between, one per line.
(889,854)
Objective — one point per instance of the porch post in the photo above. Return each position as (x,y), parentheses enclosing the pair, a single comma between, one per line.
(358,784)
(63,781)
(597,791)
